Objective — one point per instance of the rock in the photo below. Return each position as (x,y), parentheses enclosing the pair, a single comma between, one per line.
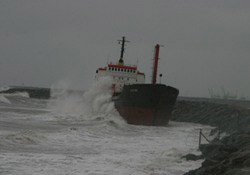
(246,163)
(227,118)
(238,158)
(193,157)
(238,172)
(228,156)
(216,151)
(209,162)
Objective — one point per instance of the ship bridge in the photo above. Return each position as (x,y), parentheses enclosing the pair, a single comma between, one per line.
(121,73)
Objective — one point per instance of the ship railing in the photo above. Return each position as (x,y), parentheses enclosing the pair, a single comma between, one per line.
(202,135)
(130,65)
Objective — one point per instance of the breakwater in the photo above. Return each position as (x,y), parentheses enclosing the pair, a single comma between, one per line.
(39,92)
(228,118)
(33,92)
(224,156)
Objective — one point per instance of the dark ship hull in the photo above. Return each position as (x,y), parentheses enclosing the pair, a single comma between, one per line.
(146,104)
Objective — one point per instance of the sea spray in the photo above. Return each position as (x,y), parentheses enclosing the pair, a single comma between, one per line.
(92,104)
(4,94)
(4,88)
(64,103)
(3,99)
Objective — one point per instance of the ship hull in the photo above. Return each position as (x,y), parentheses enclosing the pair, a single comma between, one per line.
(146,104)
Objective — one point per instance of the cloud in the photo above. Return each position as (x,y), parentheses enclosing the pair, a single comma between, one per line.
(205,42)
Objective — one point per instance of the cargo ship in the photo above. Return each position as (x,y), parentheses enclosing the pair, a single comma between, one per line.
(137,102)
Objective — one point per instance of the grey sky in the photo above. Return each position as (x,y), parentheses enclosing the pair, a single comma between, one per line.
(206,43)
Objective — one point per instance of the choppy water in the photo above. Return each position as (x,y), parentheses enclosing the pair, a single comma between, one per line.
(75,134)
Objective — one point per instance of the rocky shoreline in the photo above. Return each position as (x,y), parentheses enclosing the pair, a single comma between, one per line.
(229,155)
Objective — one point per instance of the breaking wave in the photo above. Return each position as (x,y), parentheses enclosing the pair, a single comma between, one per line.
(82,133)
(23,137)
(3,99)
(93,104)
(18,94)
(4,88)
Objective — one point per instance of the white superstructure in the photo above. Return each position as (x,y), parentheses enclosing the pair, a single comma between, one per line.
(121,75)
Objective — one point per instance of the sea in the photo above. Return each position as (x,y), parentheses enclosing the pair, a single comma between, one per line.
(78,134)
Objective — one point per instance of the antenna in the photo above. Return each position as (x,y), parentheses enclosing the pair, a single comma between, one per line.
(108,57)
(122,42)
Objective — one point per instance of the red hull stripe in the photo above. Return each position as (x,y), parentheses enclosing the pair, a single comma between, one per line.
(102,69)
(143,116)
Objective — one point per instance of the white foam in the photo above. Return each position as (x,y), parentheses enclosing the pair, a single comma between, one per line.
(4,88)
(92,104)
(93,149)
(20,94)
(4,99)
(24,137)
(88,144)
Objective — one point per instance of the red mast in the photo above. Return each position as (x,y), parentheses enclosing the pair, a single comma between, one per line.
(156,58)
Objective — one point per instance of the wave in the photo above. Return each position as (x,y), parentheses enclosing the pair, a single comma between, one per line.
(4,96)
(3,99)
(4,88)
(16,94)
(94,104)
(24,137)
